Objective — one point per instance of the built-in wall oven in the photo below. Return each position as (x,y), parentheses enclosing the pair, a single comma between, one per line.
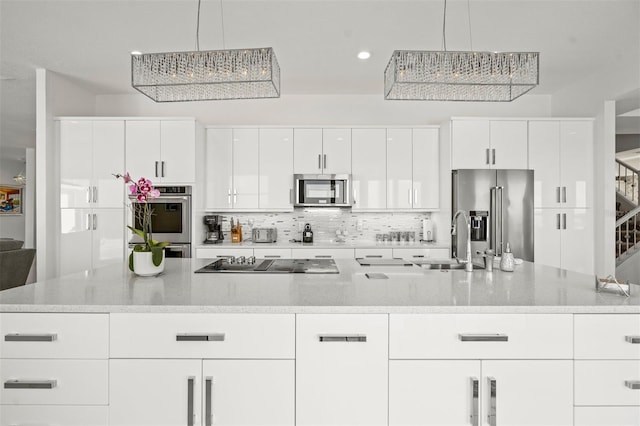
(170,221)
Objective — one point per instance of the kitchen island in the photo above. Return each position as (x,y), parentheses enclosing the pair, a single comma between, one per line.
(536,346)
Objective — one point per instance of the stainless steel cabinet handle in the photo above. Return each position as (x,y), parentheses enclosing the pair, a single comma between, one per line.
(235,196)
(229,196)
(322,256)
(191,337)
(88,194)
(374,255)
(415,197)
(208,412)
(95,221)
(30,337)
(630,339)
(493,154)
(492,418)
(95,194)
(325,161)
(320,161)
(487,151)
(564,194)
(564,221)
(558,193)
(190,401)
(88,222)
(632,384)
(418,255)
(342,338)
(475,402)
(558,221)
(483,337)
(156,169)
(30,384)
(272,256)
(162,168)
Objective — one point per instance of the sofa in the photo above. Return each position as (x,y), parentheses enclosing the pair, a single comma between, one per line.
(15,263)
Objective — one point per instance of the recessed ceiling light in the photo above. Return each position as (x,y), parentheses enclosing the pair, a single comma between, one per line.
(136,52)
(364,55)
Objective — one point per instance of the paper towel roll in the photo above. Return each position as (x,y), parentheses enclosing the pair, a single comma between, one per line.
(427,230)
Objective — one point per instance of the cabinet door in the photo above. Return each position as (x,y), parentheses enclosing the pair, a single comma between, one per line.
(248,392)
(276,169)
(154,392)
(219,170)
(470,144)
(434,393)
(399,169)
(544,159)
(528,392)
(108,158)
(307,151)
(368,168)
(508,144)
(108,236)
(426,169)
(75,163)
(59,415)
(245,168)
(576,174)
(577,240)
(75,240)
(322,253)
(178,151)
(336,151)
(607,416)
(547,233)
(142,152)
(341,379)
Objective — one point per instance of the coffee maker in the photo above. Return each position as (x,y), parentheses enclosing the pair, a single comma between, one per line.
(214,229)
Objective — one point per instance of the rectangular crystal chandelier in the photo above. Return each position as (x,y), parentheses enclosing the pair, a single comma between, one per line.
(460,76)
(207,75)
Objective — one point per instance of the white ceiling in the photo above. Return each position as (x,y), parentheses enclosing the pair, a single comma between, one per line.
(316,41)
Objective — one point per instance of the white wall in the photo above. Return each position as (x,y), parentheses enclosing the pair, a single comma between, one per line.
(320,110)
(12,226)
(55,96)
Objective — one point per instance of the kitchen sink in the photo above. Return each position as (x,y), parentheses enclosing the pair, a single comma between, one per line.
(444,264)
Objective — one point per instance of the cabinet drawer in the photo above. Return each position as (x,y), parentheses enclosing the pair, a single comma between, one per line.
(607,416)
(473,336)
(421,253)
(54,335)
(311,253)
(607,336)
(271,253)
(202,336)
(56,382)
(605,382)
(385,253)
(206,253)
(54,415)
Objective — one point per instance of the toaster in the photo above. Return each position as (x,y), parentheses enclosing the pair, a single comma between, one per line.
(264,235)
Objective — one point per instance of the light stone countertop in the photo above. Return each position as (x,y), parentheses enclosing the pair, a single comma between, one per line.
(530,289)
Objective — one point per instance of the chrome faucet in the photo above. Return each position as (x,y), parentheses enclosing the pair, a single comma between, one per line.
(467,262)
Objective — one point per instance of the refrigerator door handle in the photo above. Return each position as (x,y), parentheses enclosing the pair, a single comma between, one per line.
(501,247)
(493,236)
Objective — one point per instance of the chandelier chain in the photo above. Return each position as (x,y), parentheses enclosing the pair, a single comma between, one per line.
(469,20)
(444,27)
(198,29)
(222,24)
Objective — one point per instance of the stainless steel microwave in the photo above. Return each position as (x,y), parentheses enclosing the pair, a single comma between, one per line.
(322,190)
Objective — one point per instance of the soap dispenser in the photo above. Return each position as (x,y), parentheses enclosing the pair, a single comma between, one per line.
(507,263)
(307,234)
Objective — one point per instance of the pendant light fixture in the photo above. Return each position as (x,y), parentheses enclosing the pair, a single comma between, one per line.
(207,75)
(20,179)
(459,75)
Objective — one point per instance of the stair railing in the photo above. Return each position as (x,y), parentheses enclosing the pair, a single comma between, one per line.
(627,181)
(628,224)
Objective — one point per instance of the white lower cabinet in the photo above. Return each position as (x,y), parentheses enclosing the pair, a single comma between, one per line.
(58,415)
(322,253)
(607,416)
(341,369)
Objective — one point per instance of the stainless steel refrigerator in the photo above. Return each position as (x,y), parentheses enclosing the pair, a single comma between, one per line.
(500,205)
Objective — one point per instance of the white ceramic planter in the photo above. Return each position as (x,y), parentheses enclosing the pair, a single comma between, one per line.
(143,265)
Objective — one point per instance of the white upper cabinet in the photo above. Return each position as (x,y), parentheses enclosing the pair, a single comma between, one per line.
(560,153)
(90,152)
(276,169)
(488,144)
(368,168)
(232,172)
(322,151)
(413,169)
(161,150)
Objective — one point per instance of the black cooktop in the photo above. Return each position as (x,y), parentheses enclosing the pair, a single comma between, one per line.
(273,266)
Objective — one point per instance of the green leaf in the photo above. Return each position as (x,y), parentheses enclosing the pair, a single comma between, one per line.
(140,247)
(139,232)
(131,261)
(157,253)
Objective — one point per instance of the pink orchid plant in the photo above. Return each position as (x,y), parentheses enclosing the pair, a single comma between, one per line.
(144,191)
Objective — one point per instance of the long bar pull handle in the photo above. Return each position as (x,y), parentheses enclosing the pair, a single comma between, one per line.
(235,196)
(632,384)
(501,190)
(162,169)
(494,222)
(95,221)
(88,222)
(30,384)
(88,194)
(156,168)
(30,337)
(487,151)
(325,161)
(564,194)
(483,337)
(190,401)
(558,194)
(492,418)
(558,221)
(475,402)
(191,337)
(229,196)
(493,156)
(208,411)
(415,197)
(319,161)
(322,256)
(373,256)
(342,338)
(95,194)
(564,221)
(632,339)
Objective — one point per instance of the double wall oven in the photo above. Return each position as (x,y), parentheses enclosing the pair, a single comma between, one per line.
(170,221)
